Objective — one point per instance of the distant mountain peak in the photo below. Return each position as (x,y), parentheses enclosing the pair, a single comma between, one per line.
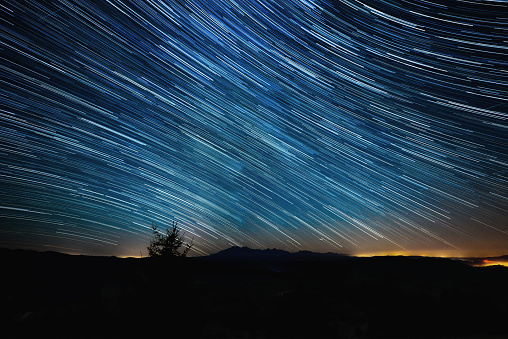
(243,253)
(247,252)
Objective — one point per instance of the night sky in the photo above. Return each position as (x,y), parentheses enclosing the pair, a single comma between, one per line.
(344,126)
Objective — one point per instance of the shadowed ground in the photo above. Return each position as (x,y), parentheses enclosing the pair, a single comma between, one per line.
(242,293)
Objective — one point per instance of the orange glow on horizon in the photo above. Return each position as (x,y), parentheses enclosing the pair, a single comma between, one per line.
(438,254)
(486,263)
(432,253)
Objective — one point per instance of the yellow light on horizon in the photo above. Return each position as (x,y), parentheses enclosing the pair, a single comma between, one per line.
(486,263)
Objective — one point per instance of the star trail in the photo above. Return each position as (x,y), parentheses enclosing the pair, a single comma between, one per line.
(345,126)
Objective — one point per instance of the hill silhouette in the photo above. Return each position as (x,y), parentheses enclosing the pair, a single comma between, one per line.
(241,253)
(246,293)
(246,253)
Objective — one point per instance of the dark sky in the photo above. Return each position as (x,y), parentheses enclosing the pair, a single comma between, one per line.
(345,126)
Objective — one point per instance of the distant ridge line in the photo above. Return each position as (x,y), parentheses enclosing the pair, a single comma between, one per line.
(236,252)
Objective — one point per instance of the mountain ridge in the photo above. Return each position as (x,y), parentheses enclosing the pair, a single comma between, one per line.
(246,253)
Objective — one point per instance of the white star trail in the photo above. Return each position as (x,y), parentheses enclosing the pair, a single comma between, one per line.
(343,126)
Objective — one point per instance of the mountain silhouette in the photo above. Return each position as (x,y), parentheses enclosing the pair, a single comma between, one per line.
(246,253)
(236,252)
(243,292)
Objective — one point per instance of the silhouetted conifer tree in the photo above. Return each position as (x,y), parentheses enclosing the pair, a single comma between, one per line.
(169,244)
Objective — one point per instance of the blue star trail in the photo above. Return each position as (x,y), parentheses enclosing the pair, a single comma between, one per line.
(344,126)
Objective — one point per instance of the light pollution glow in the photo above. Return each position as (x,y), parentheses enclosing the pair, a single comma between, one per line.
(331,126)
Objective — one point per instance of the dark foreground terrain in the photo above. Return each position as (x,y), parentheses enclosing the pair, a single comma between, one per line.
(242,293)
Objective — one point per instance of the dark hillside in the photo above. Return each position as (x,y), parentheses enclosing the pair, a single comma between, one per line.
(243,293)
